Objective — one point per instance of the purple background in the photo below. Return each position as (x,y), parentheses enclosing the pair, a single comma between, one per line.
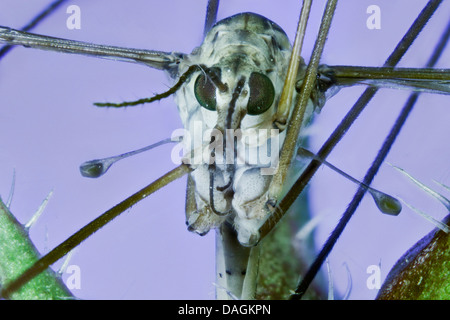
(49,127)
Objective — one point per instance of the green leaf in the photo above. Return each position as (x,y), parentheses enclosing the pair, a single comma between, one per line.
(17,253)
(422,273)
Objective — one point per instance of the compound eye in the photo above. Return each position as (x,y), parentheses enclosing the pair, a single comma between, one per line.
(205,90)
(262,94)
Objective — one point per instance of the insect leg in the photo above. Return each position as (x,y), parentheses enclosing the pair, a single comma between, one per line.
(155,59)
(287,94)
(347,121)
(289,146)
(41,16)
(211,15)
(401,48)
(81,235)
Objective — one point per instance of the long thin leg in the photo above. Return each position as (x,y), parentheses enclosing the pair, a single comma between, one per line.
(81,235)
(211,15)
(41,16)
(237,266)
(416,79)
(289,83)
(390,139)
(155,59)
(348,120)
(289,146)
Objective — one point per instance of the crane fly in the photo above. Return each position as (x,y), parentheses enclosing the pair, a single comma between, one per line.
(54,159)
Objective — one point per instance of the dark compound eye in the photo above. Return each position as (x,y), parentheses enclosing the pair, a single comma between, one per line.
(205,90)
(262,94)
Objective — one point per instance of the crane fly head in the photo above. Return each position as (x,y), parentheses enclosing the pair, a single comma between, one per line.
(229,106)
